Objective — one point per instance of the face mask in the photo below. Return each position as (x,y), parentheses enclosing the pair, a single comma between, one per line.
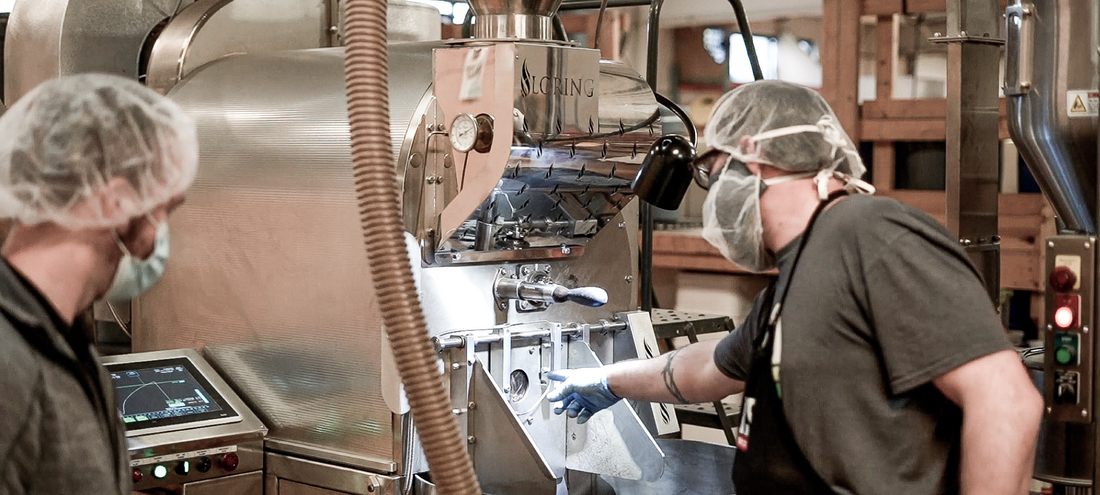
(731,216)
(135,276)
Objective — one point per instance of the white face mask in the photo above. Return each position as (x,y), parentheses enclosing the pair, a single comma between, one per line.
(135,276)
(731,216)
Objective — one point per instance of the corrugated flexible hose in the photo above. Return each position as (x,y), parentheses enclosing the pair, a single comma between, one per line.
(380,215)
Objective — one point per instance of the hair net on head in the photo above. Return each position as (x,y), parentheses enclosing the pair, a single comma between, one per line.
(64,141)
(792,127)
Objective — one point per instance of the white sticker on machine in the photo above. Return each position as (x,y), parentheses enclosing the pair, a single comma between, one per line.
(1082,103)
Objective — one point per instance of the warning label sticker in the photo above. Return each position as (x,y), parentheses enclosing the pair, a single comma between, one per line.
(1082,103)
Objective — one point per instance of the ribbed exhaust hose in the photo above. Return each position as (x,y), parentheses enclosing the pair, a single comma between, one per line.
(366,72)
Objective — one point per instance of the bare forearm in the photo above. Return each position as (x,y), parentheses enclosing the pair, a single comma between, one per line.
(998,447)
(1001,415)
(683,376)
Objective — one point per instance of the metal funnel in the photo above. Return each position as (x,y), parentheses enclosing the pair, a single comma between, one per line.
(1053,132)
(514,19)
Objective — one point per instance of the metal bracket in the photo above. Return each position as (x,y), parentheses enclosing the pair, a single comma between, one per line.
(966,38)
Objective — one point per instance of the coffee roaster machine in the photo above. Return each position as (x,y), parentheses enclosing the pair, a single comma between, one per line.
(1051,92)
(515,154)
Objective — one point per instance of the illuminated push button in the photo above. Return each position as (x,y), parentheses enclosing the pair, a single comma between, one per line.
(160,471)
(1064,355)
(230,461)
(138,475)
(1063,317)
(203,464)
(183,468)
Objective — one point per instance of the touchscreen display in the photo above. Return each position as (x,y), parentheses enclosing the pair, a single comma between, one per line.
(165,392)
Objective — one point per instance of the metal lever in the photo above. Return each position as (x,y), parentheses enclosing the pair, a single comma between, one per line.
(510,288)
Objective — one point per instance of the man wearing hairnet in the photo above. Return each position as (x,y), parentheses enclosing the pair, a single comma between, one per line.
(90,168)
(874,363)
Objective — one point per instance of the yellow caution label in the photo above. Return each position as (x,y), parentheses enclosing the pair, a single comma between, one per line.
(1082,103)
(1078,106)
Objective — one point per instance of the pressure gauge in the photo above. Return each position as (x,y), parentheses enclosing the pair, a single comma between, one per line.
(463,132)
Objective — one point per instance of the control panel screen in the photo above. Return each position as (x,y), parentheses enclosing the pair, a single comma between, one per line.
(165,392)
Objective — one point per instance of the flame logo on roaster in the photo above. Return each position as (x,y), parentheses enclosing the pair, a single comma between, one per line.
(528,81)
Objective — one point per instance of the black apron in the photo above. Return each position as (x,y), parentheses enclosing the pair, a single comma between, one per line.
(769,461)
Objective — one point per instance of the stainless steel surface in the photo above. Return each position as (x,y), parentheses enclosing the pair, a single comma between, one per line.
(517,26)
(1043,45)
(291,472)
(211,29)
(690,468)
(268,260)
(240,484)
(973,165)
(668,323)
(50,38)
(504,454)
(613,442)
(545,8)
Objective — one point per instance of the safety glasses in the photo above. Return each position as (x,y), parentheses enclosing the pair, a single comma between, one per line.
(704,167)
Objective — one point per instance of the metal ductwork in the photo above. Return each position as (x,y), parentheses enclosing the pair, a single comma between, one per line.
(1047,80)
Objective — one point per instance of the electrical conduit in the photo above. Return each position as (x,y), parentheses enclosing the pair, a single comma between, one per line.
(366,73)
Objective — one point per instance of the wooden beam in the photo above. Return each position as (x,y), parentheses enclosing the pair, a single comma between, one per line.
(925,6)
(884,163)
(885,53)
(903,130)
(882,7)
(905,109)
(840,56)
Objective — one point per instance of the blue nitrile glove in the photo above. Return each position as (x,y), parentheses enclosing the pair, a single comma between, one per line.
(583,392)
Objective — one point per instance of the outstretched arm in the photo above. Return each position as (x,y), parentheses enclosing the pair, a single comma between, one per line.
(682,376)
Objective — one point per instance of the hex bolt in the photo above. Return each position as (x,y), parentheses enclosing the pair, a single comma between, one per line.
(530,421)
(471,406)
(471,440)
(456,256)
(1050,244)
(1088,246)
(1049,410)
(531,350)
(622,225)
(566,250)
(456,366)
(629,279)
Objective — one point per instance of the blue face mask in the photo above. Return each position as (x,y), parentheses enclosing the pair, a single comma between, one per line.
(135,276)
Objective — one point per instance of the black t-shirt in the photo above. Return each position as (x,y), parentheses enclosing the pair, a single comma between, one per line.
(883,301)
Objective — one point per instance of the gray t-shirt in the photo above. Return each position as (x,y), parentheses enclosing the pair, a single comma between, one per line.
(883,301)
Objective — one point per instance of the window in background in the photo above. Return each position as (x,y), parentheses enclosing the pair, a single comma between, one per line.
(767,52)
(716,44)
(451,12)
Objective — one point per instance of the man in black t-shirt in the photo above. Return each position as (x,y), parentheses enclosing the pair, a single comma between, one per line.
(90,167)
(875,363)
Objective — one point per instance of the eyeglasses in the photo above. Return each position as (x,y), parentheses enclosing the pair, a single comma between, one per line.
(704,166)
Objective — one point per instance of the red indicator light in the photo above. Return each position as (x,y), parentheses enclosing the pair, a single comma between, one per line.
(230,461)
(1062,279)
(138,475)
(1067,309)
(1063,317)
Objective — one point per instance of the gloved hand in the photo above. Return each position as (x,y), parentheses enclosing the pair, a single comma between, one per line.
(583,392)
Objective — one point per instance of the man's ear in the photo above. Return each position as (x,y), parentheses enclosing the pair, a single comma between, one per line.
(114,198)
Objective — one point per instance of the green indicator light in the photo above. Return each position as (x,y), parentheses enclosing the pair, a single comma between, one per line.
(1063,355)
(141,417)
(160,471)
(127,419)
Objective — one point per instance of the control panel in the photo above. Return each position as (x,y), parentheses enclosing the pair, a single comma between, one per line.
(1068,387)
(178,468)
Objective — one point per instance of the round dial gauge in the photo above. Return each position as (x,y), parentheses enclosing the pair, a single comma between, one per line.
(463,132)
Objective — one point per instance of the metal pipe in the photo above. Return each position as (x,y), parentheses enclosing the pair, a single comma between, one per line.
(599,25)
(646,271)
(595,4)
(473,338)
(367,73)
(746,36)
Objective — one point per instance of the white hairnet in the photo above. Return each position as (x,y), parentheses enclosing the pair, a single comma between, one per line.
(62,142)
(792,126)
